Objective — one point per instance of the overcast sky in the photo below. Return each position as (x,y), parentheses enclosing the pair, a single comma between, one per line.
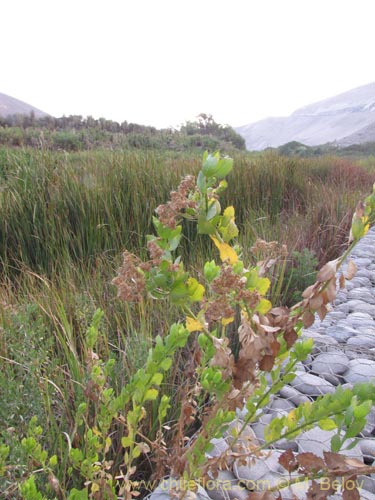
(162,62)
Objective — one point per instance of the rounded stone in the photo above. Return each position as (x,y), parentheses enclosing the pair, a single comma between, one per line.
(334,363)
(293,395)
(220,446)
(225,487)
(168,488)
(368,449)
(360,370)
(361,262)
(341,333)
(359,319)
(362,341)
(354,304)
(311,384)
(317,441)
(280,404)
(366,308)
(260,468)
(363,294)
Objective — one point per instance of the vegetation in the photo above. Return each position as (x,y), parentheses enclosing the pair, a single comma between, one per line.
(75,133)
(94,388)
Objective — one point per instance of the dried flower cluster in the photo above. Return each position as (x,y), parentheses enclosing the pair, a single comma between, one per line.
(130,281)
(229,286)
(169,212)
(272,249)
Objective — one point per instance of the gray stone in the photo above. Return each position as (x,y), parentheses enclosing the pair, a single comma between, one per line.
(359,319)
(341,333)
(311,384)
(340,305)
(317,441)
(332,379)
(359,281)
(363,341)
(281,404)
(361,262)
(366,330)
(293,395)
(368,449)
(360,370)
(363,294)
(225,487)
(355,352)
(367,483)
(367,495)
(354,304)
(366,308)
(168,487)
(259,468)
(334,363)
(219,447)
(246,440)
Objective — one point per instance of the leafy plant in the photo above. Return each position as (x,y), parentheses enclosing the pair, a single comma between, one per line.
(225,365)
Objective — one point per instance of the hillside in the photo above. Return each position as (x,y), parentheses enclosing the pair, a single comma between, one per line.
(11,106)
(348,118)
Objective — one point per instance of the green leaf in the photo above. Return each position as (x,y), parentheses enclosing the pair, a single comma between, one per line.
(224,167)
(126,441)
(166,364)
(362,410)
(211,271)
(214,208)
(327,424)
(195,289)
(204,226)
(210,165)
(336,443)
(355,428)
(151,395)
(157,379)
(202,182)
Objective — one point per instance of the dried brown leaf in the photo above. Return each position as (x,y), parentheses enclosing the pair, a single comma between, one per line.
(267,362)
(351,270)
(309,291)
(316,301)
(331,290)
(328,271)
(316,493)
(310,462)
(322,312)
(275,347)
(290,337)
(349,492)
(342,281)
(288,460)
(308,319)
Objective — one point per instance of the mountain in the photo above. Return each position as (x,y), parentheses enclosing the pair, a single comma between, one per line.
(11,106)
(345,119)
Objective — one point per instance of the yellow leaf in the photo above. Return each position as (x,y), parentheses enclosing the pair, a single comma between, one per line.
(229,212)
(226,251)
(192,325)
(264,306)
(291,418)
(94,488)
(227,321)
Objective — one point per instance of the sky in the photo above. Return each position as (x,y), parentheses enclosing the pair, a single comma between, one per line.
(162,62)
